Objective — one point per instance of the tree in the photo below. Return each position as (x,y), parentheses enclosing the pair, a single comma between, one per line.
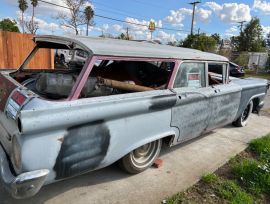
(9,25)
(122,36)
(267,40)
(75,18)
(31,27)
(173,43)
(34,25)
(201,42)
(251,39)
(89,14)
(22,6)
(216,36)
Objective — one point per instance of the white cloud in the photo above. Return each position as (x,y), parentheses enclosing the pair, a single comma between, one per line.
(44,27)
(177,17)
(182,35)
(47,9)
(231,12)
(103,29)
(231,31)
(203,15)
(165,37)
(138,29)
(136,24)
(118,28)
(263,6)
(266,29)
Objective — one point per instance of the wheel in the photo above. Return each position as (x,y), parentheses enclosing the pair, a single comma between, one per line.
(141,158)
(243,119)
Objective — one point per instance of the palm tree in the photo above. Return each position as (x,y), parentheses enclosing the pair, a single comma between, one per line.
(22,6)
(88,13)
(34,5)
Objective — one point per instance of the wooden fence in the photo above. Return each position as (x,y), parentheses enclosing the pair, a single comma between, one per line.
(15,47)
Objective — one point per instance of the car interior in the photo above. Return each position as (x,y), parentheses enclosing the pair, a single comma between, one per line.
(107,77)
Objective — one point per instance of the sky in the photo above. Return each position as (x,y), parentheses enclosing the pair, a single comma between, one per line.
(172,17)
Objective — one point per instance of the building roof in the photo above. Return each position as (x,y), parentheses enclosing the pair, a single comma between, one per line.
(115,47)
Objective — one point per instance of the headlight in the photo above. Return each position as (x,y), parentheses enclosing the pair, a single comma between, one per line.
(16,155)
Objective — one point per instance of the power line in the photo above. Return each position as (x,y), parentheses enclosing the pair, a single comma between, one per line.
(119,12)
(115,19)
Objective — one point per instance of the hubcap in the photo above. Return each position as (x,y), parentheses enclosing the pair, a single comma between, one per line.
(145,154)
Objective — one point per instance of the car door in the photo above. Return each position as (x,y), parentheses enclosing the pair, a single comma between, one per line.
(225,101)
(191,113)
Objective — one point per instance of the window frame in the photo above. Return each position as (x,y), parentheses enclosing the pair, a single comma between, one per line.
(192,61)
(225,69)
(90,62)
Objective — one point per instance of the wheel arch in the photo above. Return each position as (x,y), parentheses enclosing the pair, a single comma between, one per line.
(256,102)
(167,138)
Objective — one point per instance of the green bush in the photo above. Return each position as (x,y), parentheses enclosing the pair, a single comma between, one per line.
(242,59)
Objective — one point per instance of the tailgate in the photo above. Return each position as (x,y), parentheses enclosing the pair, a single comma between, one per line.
(6,87)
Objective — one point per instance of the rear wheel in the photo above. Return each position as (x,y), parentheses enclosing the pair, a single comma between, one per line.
(141,158)
(243,119)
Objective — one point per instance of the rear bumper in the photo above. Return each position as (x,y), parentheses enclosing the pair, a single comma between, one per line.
(24,185)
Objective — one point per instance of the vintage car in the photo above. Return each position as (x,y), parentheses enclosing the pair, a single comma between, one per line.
(120,105)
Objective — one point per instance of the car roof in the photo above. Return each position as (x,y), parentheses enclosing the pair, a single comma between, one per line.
(236,65)
(128,48)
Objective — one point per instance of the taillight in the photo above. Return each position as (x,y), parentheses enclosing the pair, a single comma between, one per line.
(18,98)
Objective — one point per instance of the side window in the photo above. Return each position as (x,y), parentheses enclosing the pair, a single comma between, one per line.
(190,75)
(217,73)
(112,77)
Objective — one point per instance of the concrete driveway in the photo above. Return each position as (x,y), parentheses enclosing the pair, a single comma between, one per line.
(183,166)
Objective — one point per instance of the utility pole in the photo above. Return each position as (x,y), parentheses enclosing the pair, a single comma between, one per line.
(102,33)
(193,14)
(127,34)
(241,25)
(199,31)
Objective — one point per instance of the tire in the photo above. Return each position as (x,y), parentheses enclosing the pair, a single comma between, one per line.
(141,158)
(244,117)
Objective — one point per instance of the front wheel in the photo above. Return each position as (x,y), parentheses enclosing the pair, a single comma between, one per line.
(141,158)
(243,119)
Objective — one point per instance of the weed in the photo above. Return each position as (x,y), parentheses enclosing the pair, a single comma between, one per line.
(175,199)
(254,175)
(231,192)
(261,147)
(209,178)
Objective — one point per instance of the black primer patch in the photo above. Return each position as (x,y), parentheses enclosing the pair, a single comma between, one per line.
(83,149)
(163,102)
